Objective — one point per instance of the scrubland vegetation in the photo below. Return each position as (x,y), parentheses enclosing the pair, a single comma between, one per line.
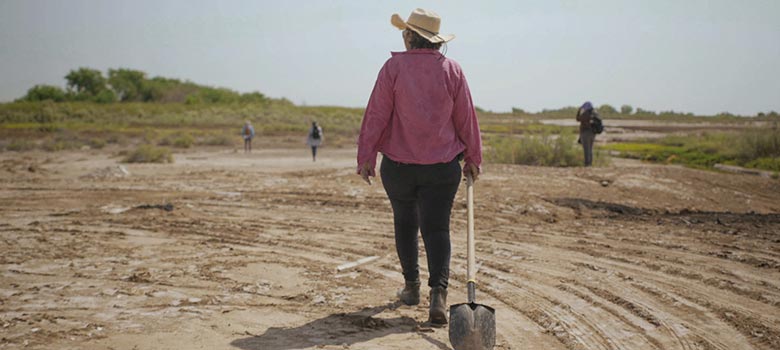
(759,148)
(128,109)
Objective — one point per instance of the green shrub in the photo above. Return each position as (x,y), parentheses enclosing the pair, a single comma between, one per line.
(545,150)
(149,154)
(763,143)
(45,92)
(183,141)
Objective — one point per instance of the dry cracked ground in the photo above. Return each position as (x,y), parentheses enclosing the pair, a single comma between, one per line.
(223,250)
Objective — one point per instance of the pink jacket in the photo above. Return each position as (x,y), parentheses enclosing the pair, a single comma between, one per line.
(420,112)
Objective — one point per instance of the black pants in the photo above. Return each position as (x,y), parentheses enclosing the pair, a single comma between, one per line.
(422,196)
(587,138)
(313,152)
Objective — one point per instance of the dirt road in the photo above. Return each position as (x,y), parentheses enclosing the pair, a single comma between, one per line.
(222,250)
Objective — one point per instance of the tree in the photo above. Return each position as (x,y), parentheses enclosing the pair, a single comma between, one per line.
(105,96)
(640,111)
(45,92)
(607,109)
(626,109)
(86,81)
(128,84)
(255,97)
(518,111)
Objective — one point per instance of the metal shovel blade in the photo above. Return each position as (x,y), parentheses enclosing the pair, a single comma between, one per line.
(472,326)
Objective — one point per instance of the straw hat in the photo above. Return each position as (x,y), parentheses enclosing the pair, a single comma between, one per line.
(423,22)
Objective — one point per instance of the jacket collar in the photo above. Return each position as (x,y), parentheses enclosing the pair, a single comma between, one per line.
(416,52)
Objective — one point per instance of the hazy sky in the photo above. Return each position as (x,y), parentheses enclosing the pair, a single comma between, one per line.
(692,55)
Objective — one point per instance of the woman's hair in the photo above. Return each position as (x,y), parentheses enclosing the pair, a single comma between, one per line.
(418,42)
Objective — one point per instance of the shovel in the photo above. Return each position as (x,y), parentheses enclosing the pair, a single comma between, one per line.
(472,325)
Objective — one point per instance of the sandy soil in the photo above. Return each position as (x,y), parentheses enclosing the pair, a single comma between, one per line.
(630,256)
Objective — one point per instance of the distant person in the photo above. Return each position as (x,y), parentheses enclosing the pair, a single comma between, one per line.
(248,133)
(314,139)
(421,117)
(584,115)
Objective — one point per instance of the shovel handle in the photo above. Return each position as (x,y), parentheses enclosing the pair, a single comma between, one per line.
(472,266)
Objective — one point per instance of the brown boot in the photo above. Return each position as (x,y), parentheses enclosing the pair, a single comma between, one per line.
(410,295)
(438,311)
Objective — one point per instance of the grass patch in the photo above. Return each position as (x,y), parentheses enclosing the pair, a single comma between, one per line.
(149,154)
(759,149)
(771,164)
(178,140)
(220,139)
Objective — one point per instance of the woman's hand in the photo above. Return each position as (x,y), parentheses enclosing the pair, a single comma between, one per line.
(365,172)
(471,170)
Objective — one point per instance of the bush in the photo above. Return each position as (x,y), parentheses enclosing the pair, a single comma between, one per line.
(545,150)
(149,154)
(105,96)
(764,143)
(45,92)
(183,141)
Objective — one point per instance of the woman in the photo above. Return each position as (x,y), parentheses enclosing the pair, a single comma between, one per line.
(421,118)
(314,139)
(248,133)
(587,137)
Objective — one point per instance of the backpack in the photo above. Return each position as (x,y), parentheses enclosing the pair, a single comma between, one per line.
(596,125)
(315,133)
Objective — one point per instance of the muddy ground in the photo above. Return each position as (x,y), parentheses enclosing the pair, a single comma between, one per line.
(222,250)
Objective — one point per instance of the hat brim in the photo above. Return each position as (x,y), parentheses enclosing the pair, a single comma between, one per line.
(399,23)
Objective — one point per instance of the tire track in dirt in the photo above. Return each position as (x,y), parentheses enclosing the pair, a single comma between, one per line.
(673,333)
(671,330)
(335,246)
(558,316)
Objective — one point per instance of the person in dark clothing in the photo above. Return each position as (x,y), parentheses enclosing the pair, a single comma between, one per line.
(248,133)
(587,137)
(314,139)
(422,119)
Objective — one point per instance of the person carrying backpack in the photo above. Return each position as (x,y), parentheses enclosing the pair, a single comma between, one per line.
(314,139)
(590,125)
